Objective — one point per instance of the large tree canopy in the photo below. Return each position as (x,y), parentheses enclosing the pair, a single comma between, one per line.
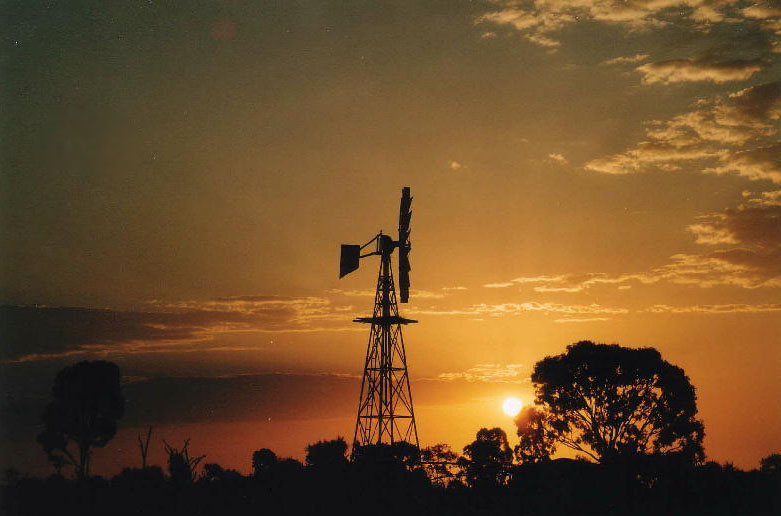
(608,401)
(87,403)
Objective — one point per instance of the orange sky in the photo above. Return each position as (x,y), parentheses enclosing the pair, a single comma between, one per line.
(175,186)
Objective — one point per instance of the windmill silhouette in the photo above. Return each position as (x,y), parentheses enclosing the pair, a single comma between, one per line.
(385,411)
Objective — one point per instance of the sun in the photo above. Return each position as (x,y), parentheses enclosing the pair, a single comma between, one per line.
(512,406)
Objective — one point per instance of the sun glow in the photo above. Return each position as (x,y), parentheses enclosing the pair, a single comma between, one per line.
(512,406)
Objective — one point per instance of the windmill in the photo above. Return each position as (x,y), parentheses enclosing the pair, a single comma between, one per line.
(385,412)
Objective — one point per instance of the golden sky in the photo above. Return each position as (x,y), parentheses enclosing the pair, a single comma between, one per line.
(176,183)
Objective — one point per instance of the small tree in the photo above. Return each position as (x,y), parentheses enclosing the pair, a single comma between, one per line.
(608,401)
(262,461)
(487,459)
(143,445)
(181,467)
(771,464)
(87,404)
(327,455)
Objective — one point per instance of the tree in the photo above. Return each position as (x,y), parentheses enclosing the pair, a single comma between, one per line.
(771,464)
(87,404)
(262,461)
(327,455)
(438,461)
(143,445)
(608,401)
(537,441)
(487,458)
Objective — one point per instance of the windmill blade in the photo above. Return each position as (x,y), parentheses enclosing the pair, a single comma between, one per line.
(405,217)
(405,214)
(404,268)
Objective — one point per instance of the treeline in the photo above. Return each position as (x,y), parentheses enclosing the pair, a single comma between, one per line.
(383,479)
(628,415)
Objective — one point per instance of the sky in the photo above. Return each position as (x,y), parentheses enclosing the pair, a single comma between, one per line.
(175,184)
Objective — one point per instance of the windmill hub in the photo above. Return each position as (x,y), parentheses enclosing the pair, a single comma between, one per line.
(385,411)
(387,244)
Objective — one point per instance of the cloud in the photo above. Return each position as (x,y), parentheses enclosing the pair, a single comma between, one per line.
(454,288)
(482,310)
(499,285)
(454,165)
(753,224)
(661,154)
(765,199)
(754,106)
(38,332)
(687,70)
(761,11)
(558,158)
(732,133)
(581,320)
(498,373)
(539,21)
(763,163)
(625,60)
(536,279)
(710,233)
(716,309)
(543,41)
(747,254)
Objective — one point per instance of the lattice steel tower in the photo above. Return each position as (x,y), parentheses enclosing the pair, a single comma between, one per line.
(385,411)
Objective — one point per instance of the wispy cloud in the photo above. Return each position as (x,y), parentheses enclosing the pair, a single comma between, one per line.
(499,373)
(746,253)
(732,133)
(504,309)
(541,21)
(581,320)
(625,60)
(558,158)
(38,332)
(717,309)
(755,164)
(687,70)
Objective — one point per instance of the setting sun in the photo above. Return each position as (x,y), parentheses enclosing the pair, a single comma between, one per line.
(512,406)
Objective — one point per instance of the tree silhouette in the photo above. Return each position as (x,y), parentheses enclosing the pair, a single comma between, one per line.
(487,458)
(771,464)
(537,441)
(181,467)
(143,445)
(327,455)
(608,401)
(262,461)
(438,461)
(87,404)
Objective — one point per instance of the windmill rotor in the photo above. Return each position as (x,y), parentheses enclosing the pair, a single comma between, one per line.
(351,253)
